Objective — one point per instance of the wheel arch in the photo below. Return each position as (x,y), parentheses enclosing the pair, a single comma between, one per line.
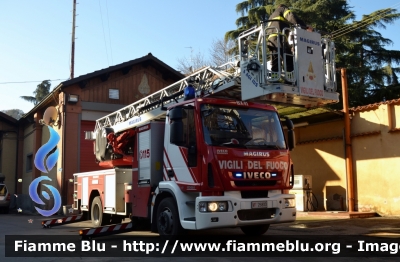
(160,195)
(93,194)
(185,210)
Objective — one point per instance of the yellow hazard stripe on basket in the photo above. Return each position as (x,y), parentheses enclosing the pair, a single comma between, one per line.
(286,12)
(273,35)
(278,18)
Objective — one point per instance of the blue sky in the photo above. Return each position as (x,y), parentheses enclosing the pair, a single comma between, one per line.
(36,36)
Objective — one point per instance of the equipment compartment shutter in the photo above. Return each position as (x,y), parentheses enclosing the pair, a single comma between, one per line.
(87,157)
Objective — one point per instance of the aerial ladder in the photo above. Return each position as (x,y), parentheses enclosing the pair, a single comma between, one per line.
(249,78)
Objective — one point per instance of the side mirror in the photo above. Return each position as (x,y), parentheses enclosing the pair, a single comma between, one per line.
(291,139)
(192,156)
(192,150)
(289,124)
(176,127)
(176,133)
(176,114)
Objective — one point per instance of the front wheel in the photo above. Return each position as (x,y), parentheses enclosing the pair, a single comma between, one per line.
(168,223)
(257,230)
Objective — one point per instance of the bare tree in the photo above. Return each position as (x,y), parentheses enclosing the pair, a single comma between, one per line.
(188,65)
(219,55)
(219,51)
(16,113)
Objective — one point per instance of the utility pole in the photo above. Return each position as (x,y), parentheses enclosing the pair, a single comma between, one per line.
(348,147)
(73,40)
(191,58)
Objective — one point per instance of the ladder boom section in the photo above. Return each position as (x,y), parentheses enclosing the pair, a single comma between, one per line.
(153,106)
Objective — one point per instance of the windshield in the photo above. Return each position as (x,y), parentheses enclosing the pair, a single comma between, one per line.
(242,127)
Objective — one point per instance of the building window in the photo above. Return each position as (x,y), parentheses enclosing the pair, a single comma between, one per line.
(29,162)
(113,93)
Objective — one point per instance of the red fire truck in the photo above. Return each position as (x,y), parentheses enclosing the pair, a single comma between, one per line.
(207,151)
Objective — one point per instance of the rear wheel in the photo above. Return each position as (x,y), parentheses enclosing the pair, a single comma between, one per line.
(97,215)
(257,230)
(168,223)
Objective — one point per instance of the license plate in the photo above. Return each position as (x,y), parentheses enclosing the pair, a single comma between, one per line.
(260,204)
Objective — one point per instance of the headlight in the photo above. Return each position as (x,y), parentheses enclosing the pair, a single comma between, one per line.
(222,206)
(290,202)
(215,206)
(212,206)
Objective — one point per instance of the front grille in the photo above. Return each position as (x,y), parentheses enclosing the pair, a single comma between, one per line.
(256,214)
(255,183)
(254,194)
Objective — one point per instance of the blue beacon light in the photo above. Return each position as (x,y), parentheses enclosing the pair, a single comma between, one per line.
(189,92)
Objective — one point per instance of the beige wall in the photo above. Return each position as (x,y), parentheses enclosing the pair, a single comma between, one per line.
(376,160)
(319,153)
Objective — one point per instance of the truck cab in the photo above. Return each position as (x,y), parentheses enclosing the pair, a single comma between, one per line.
(226,164)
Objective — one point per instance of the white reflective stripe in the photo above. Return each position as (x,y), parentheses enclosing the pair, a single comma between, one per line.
(117,227)
(181,169)
(104,229)
(68,219)
(129,225)
(91,231)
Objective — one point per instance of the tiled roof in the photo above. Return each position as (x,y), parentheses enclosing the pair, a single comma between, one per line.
(166,69)
(326,139)
(8,118)
(149,58)
(374,106)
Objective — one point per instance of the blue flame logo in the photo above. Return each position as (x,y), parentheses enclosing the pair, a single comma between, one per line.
(45,159)
(35,197)
(41,154)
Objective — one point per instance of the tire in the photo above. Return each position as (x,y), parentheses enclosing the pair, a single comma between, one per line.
(97,215)
(257,230)
(168,223)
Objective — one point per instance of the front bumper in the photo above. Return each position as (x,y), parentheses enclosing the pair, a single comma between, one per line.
(241,213)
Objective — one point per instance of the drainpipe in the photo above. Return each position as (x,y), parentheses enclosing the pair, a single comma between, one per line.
(16,153)
(62,186)
(16,162)
(349,156)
